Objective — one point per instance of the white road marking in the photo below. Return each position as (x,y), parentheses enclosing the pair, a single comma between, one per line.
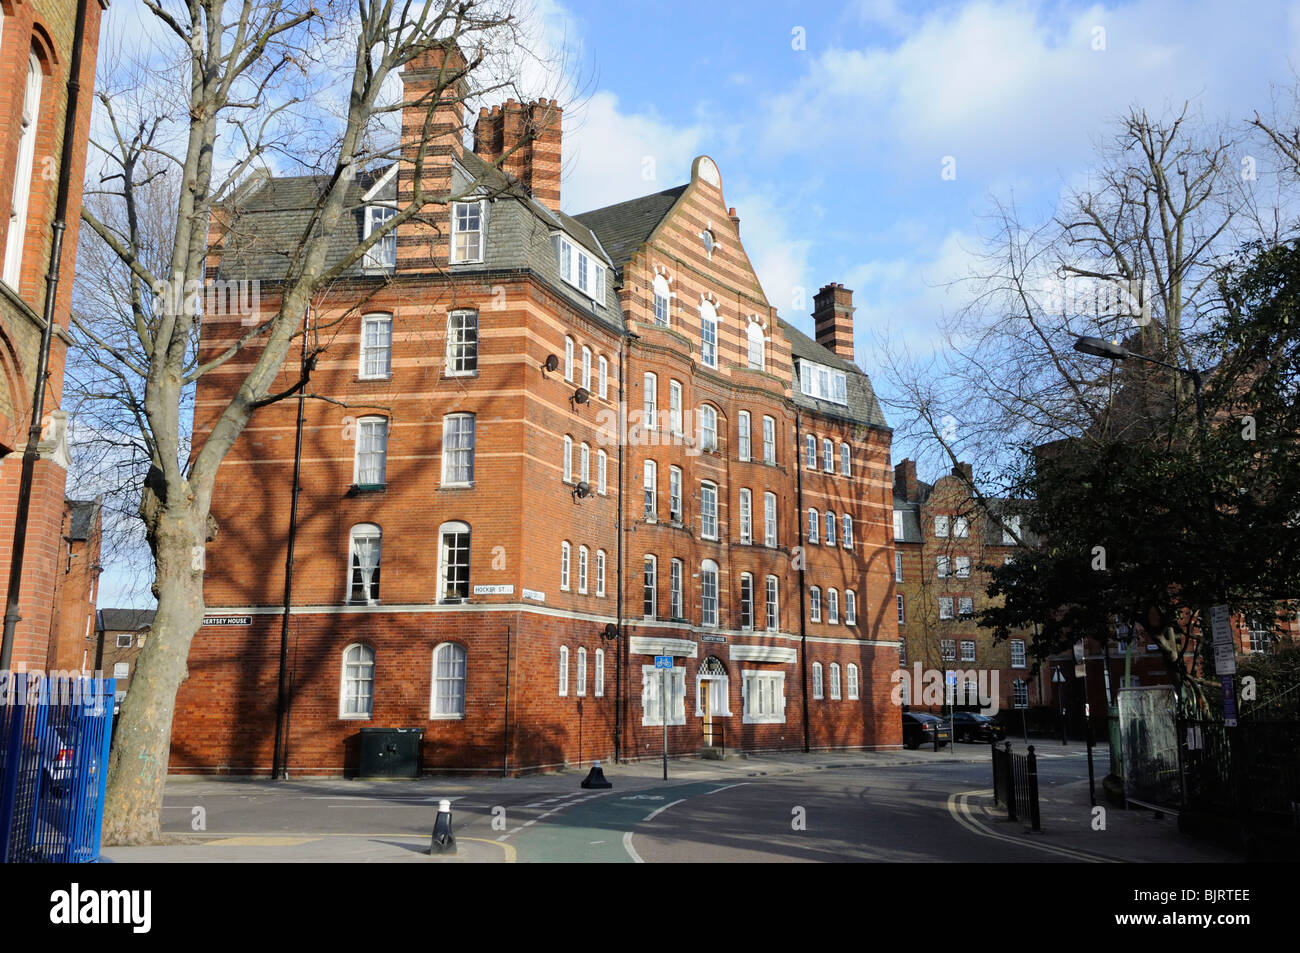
(558,807)
(631,851)
(960,811)
(659,810)
(726,788)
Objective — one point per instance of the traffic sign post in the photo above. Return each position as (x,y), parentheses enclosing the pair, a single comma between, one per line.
(665,665)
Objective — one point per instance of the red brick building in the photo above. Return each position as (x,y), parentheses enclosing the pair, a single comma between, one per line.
(36,40)
(563,445)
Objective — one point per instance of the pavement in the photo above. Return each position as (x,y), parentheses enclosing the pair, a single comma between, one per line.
(550,817)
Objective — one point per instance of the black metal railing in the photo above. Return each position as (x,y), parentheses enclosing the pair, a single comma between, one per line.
(1015,784)
(714,735)
(1251,770)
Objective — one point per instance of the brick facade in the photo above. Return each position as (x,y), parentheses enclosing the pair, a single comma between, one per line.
(522,509)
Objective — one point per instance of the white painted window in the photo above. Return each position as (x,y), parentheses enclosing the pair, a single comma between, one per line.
(742,441)
(773,608)
(383,253)
(566,551)
(568,359)
(121,670)
(1010,530)
(676,574)
(898,524)
(598,686)
(709,593)
(1020,693)
(675,407)
(846,455)
(376,346)
(746,601)
(852,673)
(1017,653)
(818,689)
(675,494)
(968,650)
(453,562)
(814,524)
(604,378)
(822,382)
(769,440)
(709,510)
(652,700)
(960,527)
(650,486)
(649,587)
(943,566)
(945,607)
(582,671)
(467,231)
(850,607)
(601,466)
(901,618)
(582,570)
(17,234)
(828,455)
(363,572)
(568,459)
(898,567)
(764,697)
(835,681)
(448,682)
(830,528)
(586,368)
(757,346)
(965,607)
(662,296)
(372,451)
(580,268)
(846,536)
(963,567)
(462,343)
(584,464)
(815,604)
(458,450)
(810,451)
(564,670)
(708,334)
(833,606)
(746,517)
(650,409)
(357,693)
(600,572)
(769,520)
(941,527)
(948,650)
(708,428)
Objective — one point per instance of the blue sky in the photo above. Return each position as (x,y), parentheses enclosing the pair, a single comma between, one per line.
(832,153)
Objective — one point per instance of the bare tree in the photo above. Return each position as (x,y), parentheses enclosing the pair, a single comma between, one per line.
(308,86)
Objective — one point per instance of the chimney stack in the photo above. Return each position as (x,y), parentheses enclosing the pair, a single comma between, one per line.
(906,487)
(433,114)
(833,319)
(536,163)
(964,471)
(735,219)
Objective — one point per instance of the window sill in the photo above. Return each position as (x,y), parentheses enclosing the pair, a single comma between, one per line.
(460,717)
(363,379)
(457,486)
(355,717)
(446,373)
(357,489)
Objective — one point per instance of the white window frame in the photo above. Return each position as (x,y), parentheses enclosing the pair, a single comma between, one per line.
(600,572)
(453,528)
(1019,693)
(902,610)
(650,401)
(569,351)
(675,420)
(772,603)
(818,682)
(810,451)
(814,524)
(898,524)
(708,601)
(661,293)
(709,518)
(941,524)
(650,585)
(746,601)
(828,455)
(586,368)
(846,454)
(566,555)
(761,690)
(602,460)
(831,527)
(832,606)
(650,490)
(583,561)
(835,682)
(960,527)
(582,672)
(754,338)
(584,464)
(850,607)
(452,431)
(675,494)
(746,516)
(948,650)
(16,239)
(967,649)
(464,210)
(769,440)
(568,459)
(961,567)
(459,653)
(603,377)
(651,710)
(564,671)
(742,435)
(846,531)
(965,607)
(1018,652)
(946,608)
(381,349)
(462,347)
(366,663)
(815,604)
(598,683)
(676,594)
(367,531)
(708,427)
(708,334)
(363,425)
(769,520)
(851,676)
(898,566)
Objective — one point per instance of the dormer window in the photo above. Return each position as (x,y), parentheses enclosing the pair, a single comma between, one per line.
(824,383)
(382,254)
(580,268)
(467,231)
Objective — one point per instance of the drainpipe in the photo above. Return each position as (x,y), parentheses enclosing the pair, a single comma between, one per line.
(620,652)
(803,563)
(32,453)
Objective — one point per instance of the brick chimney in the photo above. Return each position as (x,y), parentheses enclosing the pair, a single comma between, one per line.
(906,486)
(964,471)
(433,113)
(735,219)
(535,163)
(833,319)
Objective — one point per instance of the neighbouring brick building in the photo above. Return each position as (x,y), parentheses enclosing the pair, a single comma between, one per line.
(36,40)
(555,429)
(120,634)
(76,589)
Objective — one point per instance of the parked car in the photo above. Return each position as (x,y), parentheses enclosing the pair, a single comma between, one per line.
(972,726)
(921,729)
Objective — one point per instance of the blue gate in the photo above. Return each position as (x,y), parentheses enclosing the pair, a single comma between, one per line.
(54,738)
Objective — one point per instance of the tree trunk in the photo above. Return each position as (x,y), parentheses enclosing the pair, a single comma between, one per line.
(178,534)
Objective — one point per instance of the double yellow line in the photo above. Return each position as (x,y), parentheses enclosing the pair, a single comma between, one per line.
(959,808)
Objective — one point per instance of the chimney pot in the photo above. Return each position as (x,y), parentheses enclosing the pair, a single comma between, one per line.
(833,319)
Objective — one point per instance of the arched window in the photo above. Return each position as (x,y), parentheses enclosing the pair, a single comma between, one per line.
(564,670)
(708,428)
(448,681)
(850,607)
(852,673)
(568,359)
(846,455)
(363,564)
(746,516)
(650,402)
(604,378)
(757,346)
(453,562)
(376,346)
(662,296)
(650,589)
(582,570)
(601,460)
(17,234)
(599,686)
(600,572)
(586,367)
(565,552)
(709,593)
(830,528)
(582,671)
(708,509)
(568,459)
(835,681)
(584,463)
(828,455)
(357,693)
(818,690)
(769,519)
(815,604)
(814,524)
(833,606)
(810,451)
(847,535)
(746,600)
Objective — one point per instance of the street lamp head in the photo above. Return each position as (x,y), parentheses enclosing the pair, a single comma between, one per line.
(1100,347)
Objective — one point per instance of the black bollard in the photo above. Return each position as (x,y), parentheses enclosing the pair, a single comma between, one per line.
(443,841)
(595,777)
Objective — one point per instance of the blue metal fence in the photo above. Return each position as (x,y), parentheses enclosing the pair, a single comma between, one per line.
(54,738)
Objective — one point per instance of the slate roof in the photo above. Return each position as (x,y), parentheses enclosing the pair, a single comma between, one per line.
(625,226)
(863,407)
(82,522)
(125,620)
